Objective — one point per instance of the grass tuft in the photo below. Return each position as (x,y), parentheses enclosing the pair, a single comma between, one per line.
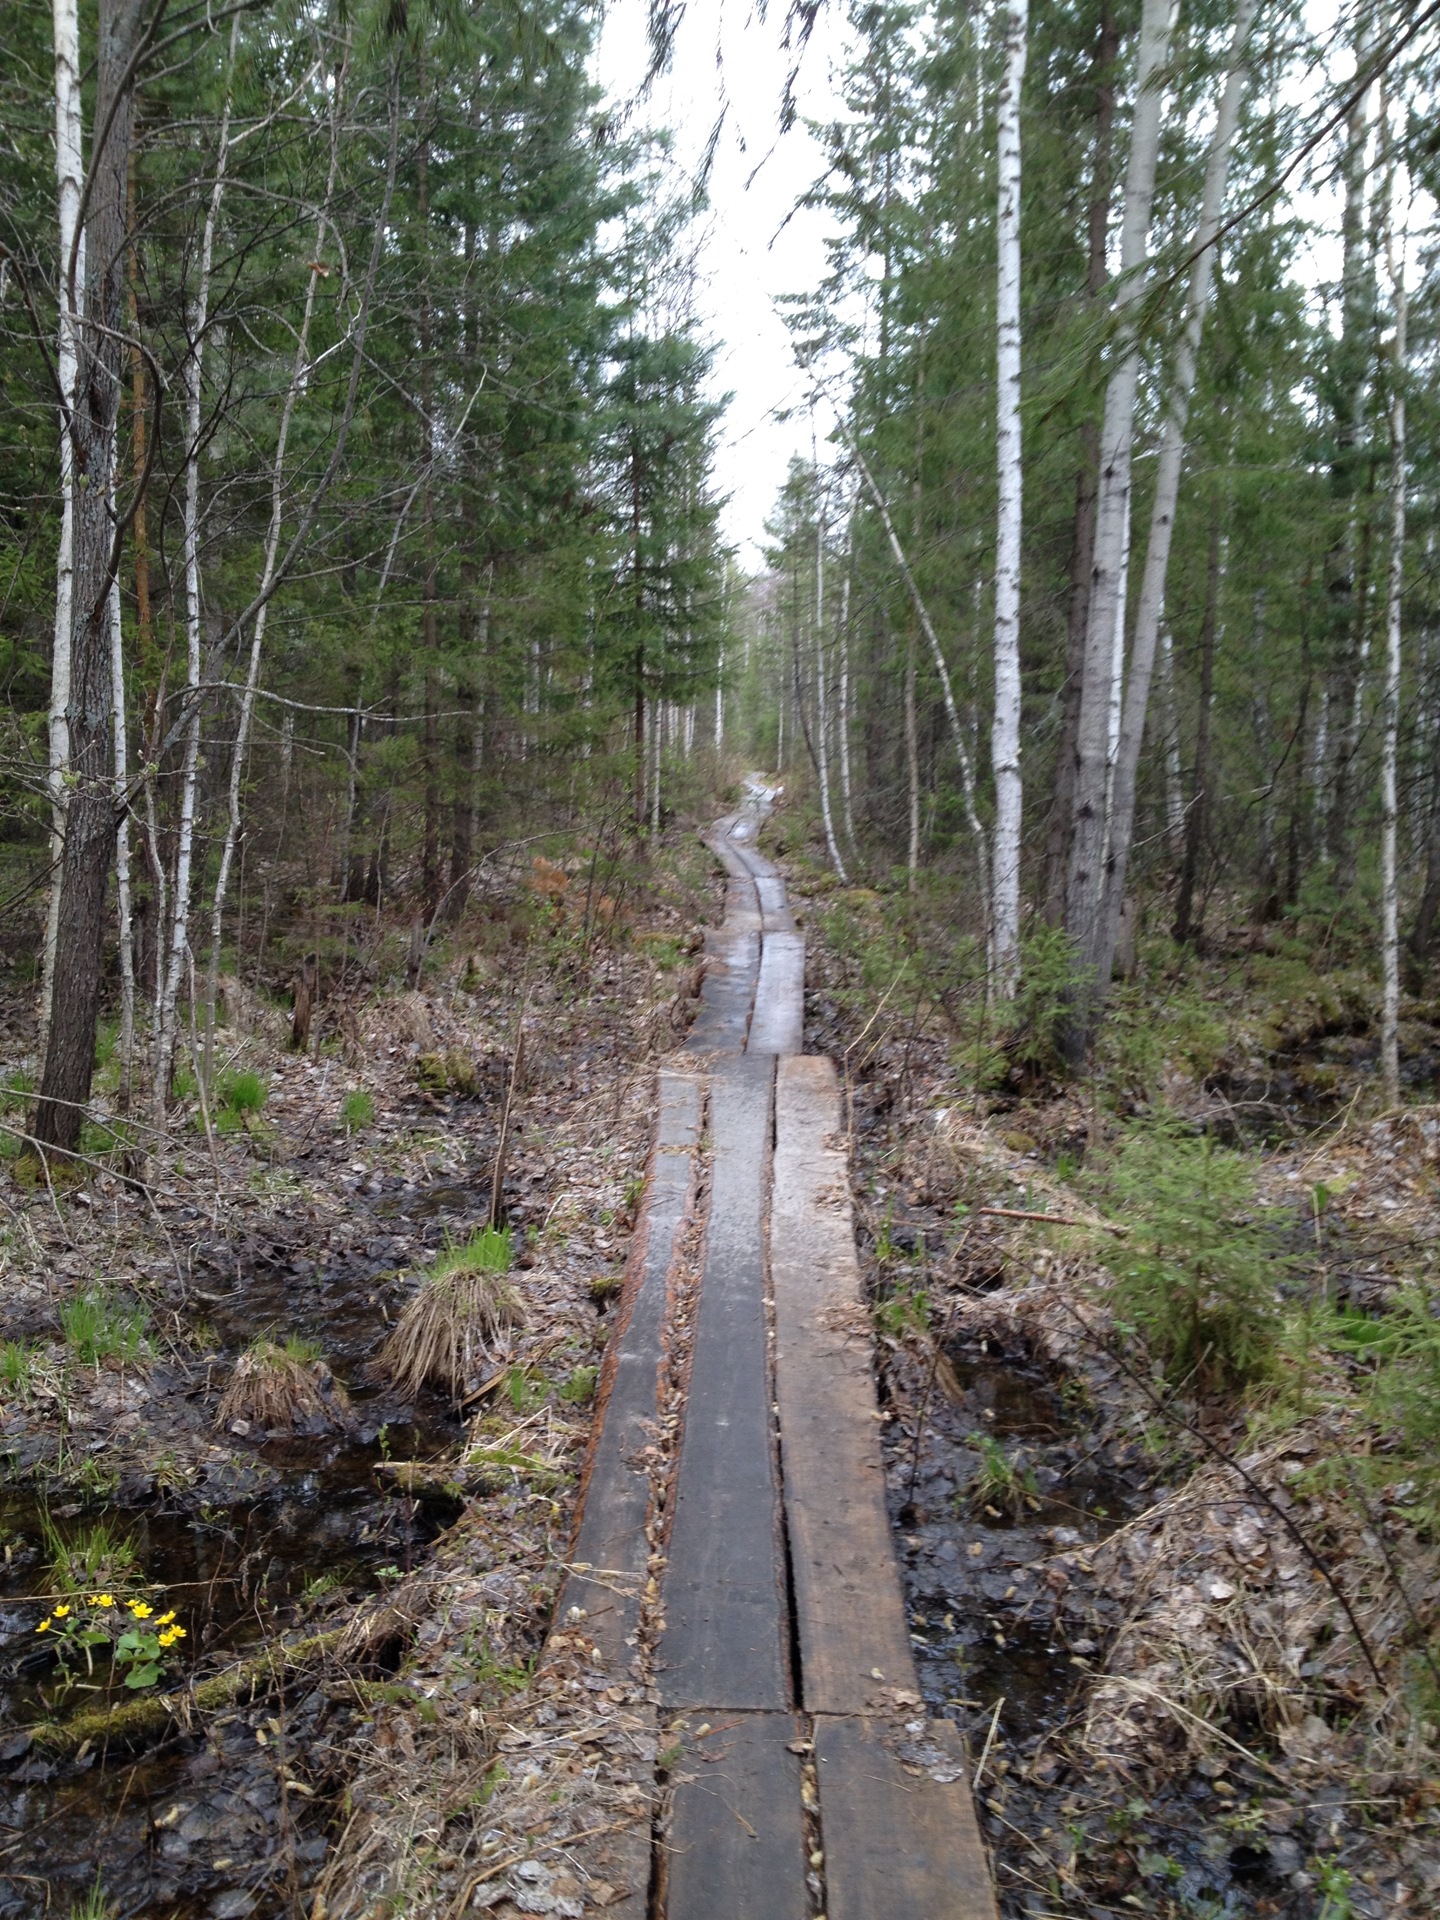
(281,1385)
(100,1325)
(463,1304)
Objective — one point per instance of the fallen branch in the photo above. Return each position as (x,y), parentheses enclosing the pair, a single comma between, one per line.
(135,1720)
(1051,1219)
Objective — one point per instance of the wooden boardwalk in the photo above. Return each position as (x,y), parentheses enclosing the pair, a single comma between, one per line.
(744,1571)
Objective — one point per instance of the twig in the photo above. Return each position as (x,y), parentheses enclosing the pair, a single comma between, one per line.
(985,1750)
(1051,1219)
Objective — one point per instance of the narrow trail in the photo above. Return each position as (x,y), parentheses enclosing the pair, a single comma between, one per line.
(733,1550)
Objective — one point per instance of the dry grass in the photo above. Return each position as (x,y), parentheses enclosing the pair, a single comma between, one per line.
(281,1385)
(464,1304)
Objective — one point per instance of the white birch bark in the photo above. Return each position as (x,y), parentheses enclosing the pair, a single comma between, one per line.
(1117,661)
(1086,879)
(69,175)
(1150,612)
(822,707)
(178,932)
(1174,789)
(847,803)
(1389,914)
(1005,729)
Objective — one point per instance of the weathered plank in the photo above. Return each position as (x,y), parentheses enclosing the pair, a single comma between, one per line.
(736,1846)
(851,1612)
(898,1842)
(775,913)
(724,1604)
(732,965)
(610,1551)
(778,1022)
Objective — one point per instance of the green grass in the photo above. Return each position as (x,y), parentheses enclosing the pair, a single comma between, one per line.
(357,1111)
(242,1096)
(93,1556)
(488,1251)
(94,1905)
(17,1367)
(100,1325)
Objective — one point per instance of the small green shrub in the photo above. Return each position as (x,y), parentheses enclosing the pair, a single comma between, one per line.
(580,1387)
(1405,1390)
(100,1325)
(357,1111)
(1198,1275)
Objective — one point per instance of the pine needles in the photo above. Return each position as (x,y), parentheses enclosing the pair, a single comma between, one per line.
(464,1304)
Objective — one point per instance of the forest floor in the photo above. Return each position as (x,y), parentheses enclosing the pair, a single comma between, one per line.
(1132,1598)
(1138,1599)
(376,1567)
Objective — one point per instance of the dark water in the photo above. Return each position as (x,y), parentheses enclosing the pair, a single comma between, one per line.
(211,1823)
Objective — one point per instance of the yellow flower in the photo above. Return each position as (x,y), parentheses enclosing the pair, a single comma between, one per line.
(102,1599)
(44,1627)
(140,1610)
(166,1618)
(171,1635)
(177,1633)
(60,1612)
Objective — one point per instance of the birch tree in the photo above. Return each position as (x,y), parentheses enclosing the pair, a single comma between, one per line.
(1086,880)
(1005,730)
(1150,613)
(1390,739)
(172,971)
(70,281)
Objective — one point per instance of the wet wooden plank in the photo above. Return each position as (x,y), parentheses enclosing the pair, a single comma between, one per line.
(899,1843)
(736,1845)
(724,1590)
(610,1540)
(732,965)
(849,1604)
(774,905)
(778,1022)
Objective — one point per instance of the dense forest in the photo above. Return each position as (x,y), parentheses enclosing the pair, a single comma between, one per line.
(376,637)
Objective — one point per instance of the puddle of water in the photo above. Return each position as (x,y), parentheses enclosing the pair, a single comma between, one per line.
(233,1571)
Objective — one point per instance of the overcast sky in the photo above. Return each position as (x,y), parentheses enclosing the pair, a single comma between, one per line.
(745,259)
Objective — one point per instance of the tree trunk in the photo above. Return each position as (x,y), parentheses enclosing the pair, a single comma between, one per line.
(1197,819)
(1085,886)
(90,818)
(1082,550)
(912,765)
(1151,610)
(1389,913)
(69,173)
(173,971)
(1005,730)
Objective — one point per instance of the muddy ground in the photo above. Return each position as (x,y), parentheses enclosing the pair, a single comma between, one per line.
(327,1569)
(1131,1599)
